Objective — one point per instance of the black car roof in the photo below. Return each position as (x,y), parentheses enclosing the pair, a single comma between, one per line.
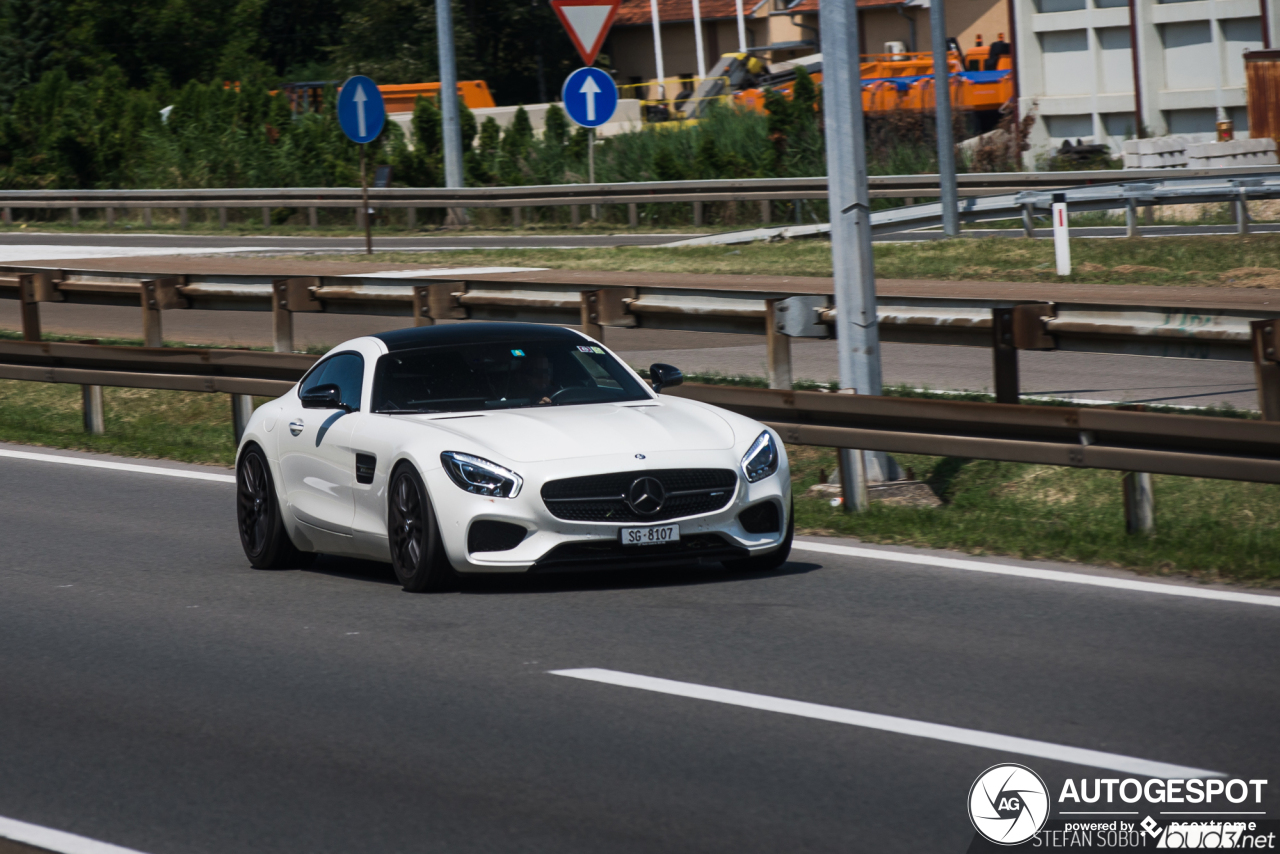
(474,333)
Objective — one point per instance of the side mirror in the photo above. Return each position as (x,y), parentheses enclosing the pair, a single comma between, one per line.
(664,376)
(327,396)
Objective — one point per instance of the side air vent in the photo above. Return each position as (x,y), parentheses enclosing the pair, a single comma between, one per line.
(760,518)
(365,464)
(489,535)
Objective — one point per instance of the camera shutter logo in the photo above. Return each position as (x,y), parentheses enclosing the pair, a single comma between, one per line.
(1008,804)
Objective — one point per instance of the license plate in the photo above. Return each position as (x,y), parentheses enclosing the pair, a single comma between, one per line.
(651,536)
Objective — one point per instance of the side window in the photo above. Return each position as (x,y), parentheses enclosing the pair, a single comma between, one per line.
(346,371)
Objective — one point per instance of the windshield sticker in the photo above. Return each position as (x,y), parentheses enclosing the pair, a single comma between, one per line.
(584,348)
(599,351)
(517,352)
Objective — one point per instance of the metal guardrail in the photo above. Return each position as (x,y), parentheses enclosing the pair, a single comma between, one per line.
(550,195)
(1188,445)
(594,301)
(1134,193)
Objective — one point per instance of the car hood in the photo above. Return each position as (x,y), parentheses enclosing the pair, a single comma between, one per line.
(561,432)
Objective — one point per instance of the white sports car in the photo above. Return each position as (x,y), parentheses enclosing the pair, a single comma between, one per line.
(504,447)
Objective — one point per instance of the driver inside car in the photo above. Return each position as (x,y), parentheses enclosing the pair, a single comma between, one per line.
(532,378)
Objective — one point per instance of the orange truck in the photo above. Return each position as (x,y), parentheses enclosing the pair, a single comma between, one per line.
(904,81)
(398,98)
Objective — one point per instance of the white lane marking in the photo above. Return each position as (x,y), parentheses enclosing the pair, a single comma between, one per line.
(1039,574)
(888,723)
(19,253)
(130,467)
(56,840)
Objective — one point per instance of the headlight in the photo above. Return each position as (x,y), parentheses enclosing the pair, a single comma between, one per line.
(762,459)
(481,476)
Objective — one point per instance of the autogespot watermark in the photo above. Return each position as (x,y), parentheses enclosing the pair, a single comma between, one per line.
(1010,806)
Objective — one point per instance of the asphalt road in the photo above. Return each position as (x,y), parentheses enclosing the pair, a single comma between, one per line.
(161,695)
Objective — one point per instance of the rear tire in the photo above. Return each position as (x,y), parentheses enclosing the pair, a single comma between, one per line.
(417,551)
(774,559)
(266,543)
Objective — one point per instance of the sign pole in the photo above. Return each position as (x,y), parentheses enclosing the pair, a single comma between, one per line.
(591,168)
(364,202)
(857,333)
(942,111)
(451,121)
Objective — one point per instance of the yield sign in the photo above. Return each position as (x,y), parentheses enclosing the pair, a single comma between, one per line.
(587,22)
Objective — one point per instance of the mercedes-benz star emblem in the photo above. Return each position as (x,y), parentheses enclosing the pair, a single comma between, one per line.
(646,495)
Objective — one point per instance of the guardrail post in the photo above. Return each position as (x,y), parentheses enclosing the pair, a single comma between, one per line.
(778,349)
(94,412)
(241,412)
(1131,218)
(222,217)
(184,217)
(438,301)
(697,213)
(853,480)
(633,214)
(159,295)
(1139,503)
(766,212)
(410,217)
(8,216)
(146,217)
(1242,214)
(288,296)
(1266,367)
(515,217)
(575,215)
(266,217)
(1028,221)
(111,216)
(313,217)
(30,307)
(606,307)
(1149,216)
(1004,356)
(75,216)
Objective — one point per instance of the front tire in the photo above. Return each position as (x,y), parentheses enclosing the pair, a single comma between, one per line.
(774,559)
(266,543)
(417,551)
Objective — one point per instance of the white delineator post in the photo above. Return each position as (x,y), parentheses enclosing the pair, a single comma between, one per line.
(1061,235)
(857,333)
(697,39)
(657,49)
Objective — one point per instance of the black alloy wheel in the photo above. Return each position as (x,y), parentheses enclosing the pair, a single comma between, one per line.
(262,534)
(417,553)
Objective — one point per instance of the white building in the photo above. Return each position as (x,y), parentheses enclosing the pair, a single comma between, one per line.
(1076,66)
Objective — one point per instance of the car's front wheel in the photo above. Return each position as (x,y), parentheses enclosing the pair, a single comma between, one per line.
(266,543)
(417,553)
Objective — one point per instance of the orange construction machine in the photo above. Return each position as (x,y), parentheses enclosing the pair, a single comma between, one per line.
(398,98)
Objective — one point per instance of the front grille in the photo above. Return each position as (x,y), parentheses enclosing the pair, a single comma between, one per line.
(602,497)
(612,554)
(489,535)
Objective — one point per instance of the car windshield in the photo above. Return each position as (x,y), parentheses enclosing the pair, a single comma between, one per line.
(496,375)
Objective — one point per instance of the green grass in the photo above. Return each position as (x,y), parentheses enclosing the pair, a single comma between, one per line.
(1229,261)
(176,425)
(1209,529)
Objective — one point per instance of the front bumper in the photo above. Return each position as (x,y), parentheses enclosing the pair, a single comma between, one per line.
(554,544)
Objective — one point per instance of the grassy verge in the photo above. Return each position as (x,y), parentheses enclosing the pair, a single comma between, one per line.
(176,425)
(1230,261)
(1210,529)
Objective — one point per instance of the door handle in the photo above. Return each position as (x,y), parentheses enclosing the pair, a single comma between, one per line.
(295,426)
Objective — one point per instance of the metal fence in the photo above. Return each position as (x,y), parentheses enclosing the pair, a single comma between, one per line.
(780,308)
(763,191)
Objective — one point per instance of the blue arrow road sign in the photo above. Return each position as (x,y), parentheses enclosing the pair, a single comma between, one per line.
(590,97)
(360,109)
